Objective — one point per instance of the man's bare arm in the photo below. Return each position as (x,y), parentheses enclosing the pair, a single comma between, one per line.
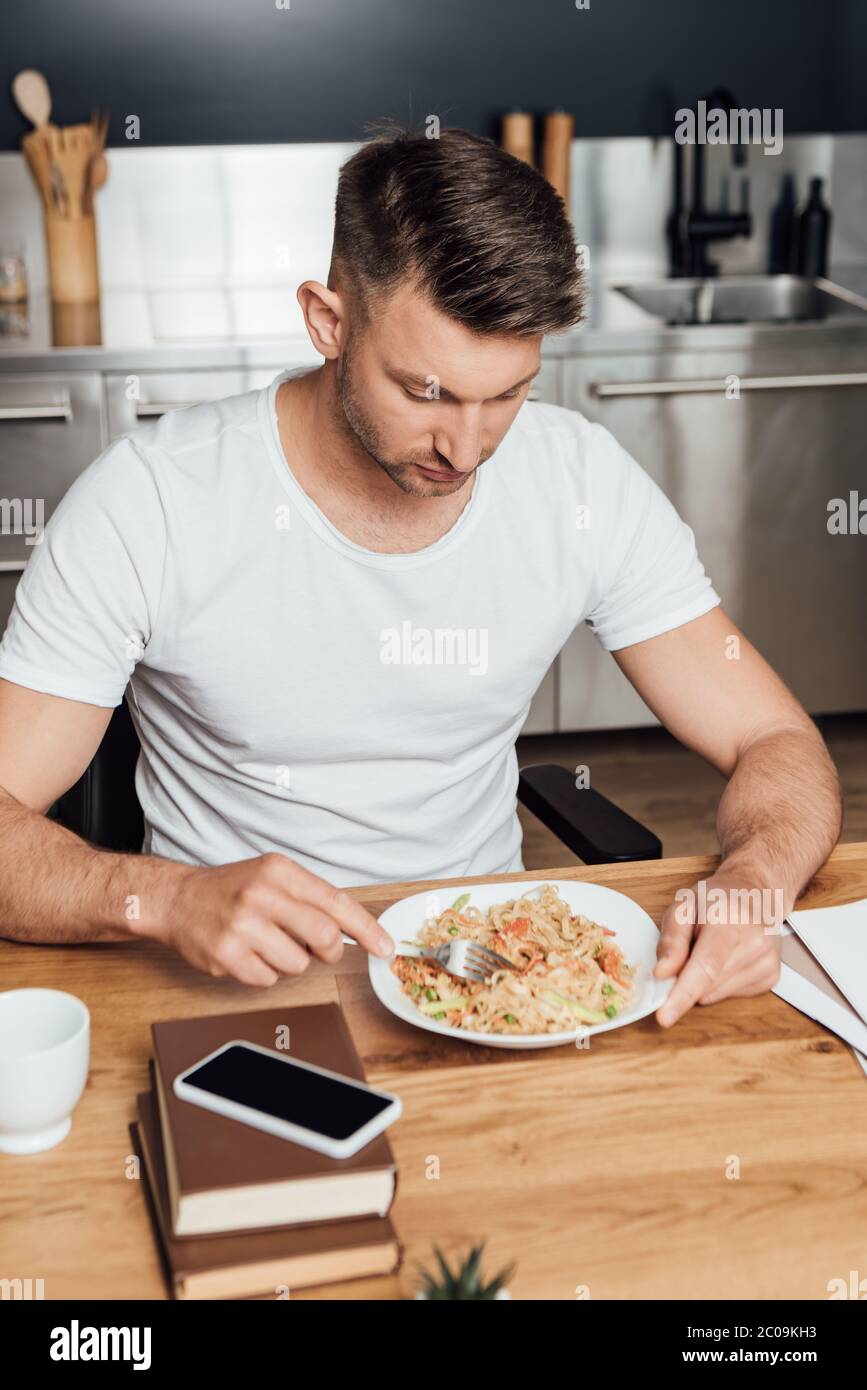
(781,807)
(710,688)
(779,816)
(256,920)
(55,888)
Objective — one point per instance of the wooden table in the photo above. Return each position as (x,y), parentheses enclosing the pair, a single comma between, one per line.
(603,1169)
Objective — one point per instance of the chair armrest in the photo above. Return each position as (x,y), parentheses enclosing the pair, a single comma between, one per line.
(585,820)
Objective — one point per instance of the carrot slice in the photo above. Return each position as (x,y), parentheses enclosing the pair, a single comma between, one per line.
(519,927)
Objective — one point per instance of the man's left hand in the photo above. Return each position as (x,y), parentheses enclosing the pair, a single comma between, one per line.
(733,952)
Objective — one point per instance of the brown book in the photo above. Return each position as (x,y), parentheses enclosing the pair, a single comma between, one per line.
(226,1176)
(258,1263)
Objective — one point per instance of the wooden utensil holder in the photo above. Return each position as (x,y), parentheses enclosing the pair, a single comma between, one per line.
(73,266)
(75,325)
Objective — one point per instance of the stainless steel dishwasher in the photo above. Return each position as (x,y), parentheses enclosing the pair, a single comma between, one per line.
(753,474)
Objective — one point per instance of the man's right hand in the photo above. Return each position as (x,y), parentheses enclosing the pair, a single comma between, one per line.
(259,919)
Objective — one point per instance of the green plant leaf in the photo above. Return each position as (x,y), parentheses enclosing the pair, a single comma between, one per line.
(465,1283)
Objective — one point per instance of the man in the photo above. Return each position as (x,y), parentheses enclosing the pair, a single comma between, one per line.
(333,600)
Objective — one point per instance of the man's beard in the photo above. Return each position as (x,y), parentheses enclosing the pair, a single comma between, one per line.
(362,428)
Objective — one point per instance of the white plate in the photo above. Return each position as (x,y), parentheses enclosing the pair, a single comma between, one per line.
(635,934)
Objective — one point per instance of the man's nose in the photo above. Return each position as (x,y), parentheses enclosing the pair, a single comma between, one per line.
(461,443)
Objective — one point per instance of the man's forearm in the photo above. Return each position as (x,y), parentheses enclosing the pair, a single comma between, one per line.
(779,817)
(56,888)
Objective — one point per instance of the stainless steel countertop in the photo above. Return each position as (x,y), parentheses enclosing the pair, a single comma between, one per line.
(149,330)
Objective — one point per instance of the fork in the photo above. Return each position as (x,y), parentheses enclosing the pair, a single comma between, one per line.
(468,960)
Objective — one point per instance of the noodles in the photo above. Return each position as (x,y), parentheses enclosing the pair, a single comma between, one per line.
(569,972)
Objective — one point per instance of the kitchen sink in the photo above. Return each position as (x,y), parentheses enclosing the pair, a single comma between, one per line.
(743,299)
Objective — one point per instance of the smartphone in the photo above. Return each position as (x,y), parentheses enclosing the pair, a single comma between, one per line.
(294,1100)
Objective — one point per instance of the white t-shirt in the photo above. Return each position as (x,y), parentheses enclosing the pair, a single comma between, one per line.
(293,691)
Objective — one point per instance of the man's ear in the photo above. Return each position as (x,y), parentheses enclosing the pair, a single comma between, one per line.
(325,316)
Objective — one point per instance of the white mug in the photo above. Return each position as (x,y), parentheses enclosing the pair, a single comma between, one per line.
(44,1053)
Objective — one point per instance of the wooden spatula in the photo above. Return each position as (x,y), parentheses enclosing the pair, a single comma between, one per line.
(32,97)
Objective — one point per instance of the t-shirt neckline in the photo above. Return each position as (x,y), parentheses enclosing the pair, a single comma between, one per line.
(328,532)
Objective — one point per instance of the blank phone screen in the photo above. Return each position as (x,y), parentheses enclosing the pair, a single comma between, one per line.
(288,1092)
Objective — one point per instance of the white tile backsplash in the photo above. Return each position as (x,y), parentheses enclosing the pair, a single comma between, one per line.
(251,222)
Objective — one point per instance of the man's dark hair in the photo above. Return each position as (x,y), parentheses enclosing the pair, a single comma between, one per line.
(484,235)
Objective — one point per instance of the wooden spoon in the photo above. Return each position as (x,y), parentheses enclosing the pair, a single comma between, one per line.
(98,171)
(38,157)
(55,138)
(32,97)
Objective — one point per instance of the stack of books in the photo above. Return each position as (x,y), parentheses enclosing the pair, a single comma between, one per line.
(239,1213)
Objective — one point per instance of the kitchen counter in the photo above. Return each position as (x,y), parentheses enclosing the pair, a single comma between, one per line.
(191,328)
(203,327)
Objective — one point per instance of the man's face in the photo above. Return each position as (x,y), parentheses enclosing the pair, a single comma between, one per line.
(427,399)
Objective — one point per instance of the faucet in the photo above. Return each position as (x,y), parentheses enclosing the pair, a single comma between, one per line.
(689,232)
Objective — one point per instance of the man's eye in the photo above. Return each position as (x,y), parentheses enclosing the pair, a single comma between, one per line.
(431,396)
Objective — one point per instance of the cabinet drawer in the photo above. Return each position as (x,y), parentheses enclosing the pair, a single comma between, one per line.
(51,428)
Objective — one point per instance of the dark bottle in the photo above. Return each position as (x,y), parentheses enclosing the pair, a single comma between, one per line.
(782,231)
(814,234)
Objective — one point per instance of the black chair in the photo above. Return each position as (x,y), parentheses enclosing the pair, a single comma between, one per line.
(103,808)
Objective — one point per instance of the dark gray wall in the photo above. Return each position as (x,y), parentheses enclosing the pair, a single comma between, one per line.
(237,71)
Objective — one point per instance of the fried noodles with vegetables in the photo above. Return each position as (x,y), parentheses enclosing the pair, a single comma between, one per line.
(568,971)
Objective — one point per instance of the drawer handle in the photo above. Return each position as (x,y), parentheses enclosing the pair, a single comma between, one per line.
(149,410)
(718,387)
(12,566)
(60,411)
